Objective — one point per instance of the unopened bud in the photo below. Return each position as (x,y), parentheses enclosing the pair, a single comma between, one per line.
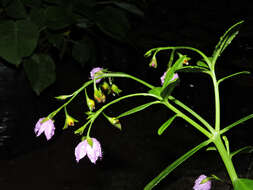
(153,62)
(99,96)
(115,89)
(69,121)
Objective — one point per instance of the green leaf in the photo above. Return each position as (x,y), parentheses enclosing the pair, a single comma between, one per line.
(40,70)
(246,149)
(170,73)
(236,123)
(59,17)
(113,22)
(137,109)
(84,51)
(155,91)
(38,17)
(130,8)
(202,64)
(17,40)
(225,40)
(16,9)
(168,90)
(233,75)
(193,69)
(175,164)
(243,184)
(166,124)
(34,3)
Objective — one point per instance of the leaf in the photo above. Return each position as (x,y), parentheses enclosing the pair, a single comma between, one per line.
(84,51)
(233,75)
(59,17)
(170,73)
(166,124)
(38,17)
(17,40)
(169,88)
(236,123)
(202,64)
(243,184)
(137,109)
(193,69)
(40,70)
(225,40)
(175,164)
(16,9)
(130,8)
(155,91)
(246,149)
(113,22)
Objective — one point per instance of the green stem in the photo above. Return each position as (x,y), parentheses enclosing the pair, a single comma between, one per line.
(98,112)
(185,47)
(225,157)
(189,120)
(128,76)
(197,116)
(217,102)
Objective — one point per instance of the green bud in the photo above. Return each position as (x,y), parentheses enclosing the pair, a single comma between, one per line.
(99,96)
(153,62)
(115,89)
(105,86)
(114,121)
(69,121)
(63,97)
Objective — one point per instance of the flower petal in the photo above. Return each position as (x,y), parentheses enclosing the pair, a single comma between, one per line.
(80,150)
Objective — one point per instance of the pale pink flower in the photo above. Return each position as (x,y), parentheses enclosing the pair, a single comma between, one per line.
(203,186)
(93,152)
(46,126)
(94,71)
(175,76)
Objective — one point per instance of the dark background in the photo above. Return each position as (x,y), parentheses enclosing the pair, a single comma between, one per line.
(133,156)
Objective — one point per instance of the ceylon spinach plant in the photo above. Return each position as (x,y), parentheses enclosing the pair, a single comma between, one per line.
(162,95)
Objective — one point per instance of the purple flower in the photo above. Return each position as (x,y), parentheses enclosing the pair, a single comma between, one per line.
(173,78)
(94,71)
(203,186)
(45,125)
(93,152)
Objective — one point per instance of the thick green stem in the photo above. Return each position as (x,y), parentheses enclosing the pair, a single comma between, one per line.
(217,102)
(225,157)
(189,120)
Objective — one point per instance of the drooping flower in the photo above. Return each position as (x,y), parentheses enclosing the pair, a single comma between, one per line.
(199,185)
(95,73)
(99,96)
(45,125)
(92,151)
(175,76)
(115,89)
(153,62)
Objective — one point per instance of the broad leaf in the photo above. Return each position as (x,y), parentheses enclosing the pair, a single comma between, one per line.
(225,40)
(38,17)
(40,70)
(113,22)
(17,40)
(137,109)
(175,164)
(84,51)
(166,124)
(130,8)
(243,184)
(58,17)
(16,9)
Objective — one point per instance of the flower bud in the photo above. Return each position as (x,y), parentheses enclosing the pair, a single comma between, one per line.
(69,121)
(115,89)
(63,97)
(114,121)
(105,86)
(96,73)
(99,96)
(153,62)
